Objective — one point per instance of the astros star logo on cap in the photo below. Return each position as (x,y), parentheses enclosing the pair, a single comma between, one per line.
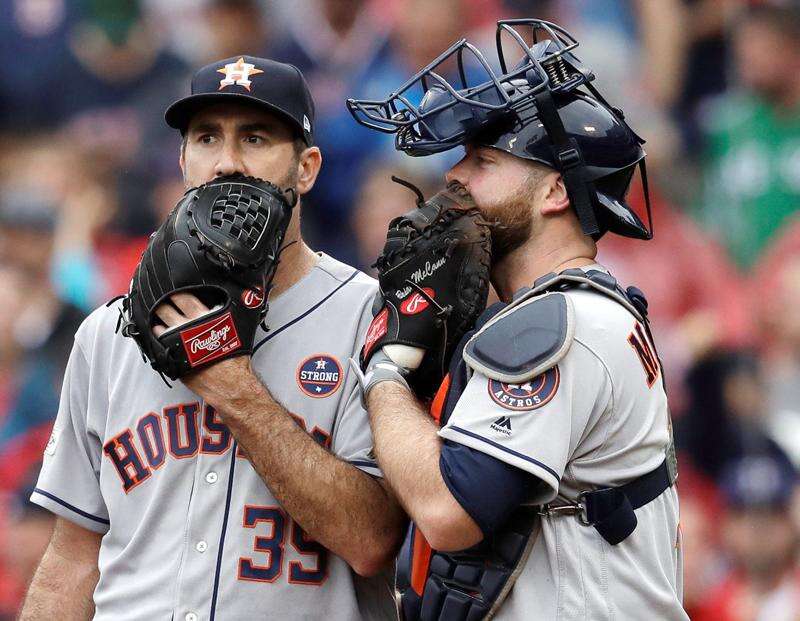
(238,73)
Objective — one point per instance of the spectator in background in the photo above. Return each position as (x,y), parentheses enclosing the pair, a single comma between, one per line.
(96,64)
(118,71)
(726,417)
(703,564)
(379,201)
(696,298)
(23,538)
(33,46)
(353,54)
(94,75)
(707,64)
(348,46)
(775,288)
(234,27)
(13,285)
(752,134)
(54,201)
(37,338)
(638,47)
(761,543)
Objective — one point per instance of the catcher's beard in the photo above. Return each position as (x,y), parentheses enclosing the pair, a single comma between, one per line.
(512,217)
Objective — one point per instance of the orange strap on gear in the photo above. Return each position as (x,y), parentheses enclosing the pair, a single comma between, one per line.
(437,405)
(420,562)
(421,550)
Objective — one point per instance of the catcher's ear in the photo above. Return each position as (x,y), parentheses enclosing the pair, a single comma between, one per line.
(308,165)
(553,194)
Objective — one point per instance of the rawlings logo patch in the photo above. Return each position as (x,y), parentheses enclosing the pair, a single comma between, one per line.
(319,376)
(253,298)
(378,327)
(210,340)
(528,396)
(416,303)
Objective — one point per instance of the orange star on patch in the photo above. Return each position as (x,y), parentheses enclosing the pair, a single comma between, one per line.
(238,73)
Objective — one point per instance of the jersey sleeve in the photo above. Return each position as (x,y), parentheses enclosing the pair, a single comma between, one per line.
(69,483)
(352,438)
(533,426)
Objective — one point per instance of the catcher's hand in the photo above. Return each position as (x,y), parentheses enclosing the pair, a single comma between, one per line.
(220,243)
(434,282)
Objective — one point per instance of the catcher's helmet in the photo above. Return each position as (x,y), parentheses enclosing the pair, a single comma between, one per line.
(544,109)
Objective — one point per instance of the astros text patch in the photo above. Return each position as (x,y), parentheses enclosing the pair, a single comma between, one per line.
(528,396)
(319,375)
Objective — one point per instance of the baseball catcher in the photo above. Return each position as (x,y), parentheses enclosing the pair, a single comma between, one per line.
(543,471)
(434,282)
(221,242)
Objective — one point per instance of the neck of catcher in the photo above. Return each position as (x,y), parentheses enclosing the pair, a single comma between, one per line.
(524,265)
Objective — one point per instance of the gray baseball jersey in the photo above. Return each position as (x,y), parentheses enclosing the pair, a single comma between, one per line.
(599,418)
(190,531)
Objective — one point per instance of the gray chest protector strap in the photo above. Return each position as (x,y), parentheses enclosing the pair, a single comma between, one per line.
(471,585)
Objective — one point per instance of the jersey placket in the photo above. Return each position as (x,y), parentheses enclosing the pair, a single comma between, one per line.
(204,516)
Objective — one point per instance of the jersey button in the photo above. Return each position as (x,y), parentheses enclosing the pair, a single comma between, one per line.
(201,546)
(212,477)
(190,616)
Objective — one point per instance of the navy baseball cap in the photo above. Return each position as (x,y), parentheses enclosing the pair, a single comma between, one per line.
(759,481)
(277,87)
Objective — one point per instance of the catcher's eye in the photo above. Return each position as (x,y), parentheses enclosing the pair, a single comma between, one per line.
(207,139)
(255,139)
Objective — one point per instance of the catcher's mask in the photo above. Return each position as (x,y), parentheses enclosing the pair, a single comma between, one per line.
(544,109)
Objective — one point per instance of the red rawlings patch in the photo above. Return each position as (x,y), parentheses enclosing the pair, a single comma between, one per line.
(210,340)
(253,298)
(416,303)
(378,327)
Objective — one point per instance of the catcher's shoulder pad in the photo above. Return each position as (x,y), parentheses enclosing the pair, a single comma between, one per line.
(524,340)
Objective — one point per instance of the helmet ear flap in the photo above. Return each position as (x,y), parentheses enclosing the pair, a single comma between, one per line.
(614,211)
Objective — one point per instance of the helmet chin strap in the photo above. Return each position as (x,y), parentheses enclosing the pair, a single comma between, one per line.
(570,163)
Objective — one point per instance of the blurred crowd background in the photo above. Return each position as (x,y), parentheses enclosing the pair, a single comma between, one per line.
(88,168)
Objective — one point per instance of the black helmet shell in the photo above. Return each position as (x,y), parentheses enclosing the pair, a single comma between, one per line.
(606,142)
(610,150)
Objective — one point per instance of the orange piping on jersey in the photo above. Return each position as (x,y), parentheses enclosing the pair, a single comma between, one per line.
(437,406)
(420,562)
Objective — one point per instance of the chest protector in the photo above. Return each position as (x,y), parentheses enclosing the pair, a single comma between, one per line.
(471,585)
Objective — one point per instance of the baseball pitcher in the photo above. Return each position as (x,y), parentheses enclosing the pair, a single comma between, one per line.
(211,458)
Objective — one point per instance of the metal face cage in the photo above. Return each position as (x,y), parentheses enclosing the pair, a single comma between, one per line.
(429,114)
